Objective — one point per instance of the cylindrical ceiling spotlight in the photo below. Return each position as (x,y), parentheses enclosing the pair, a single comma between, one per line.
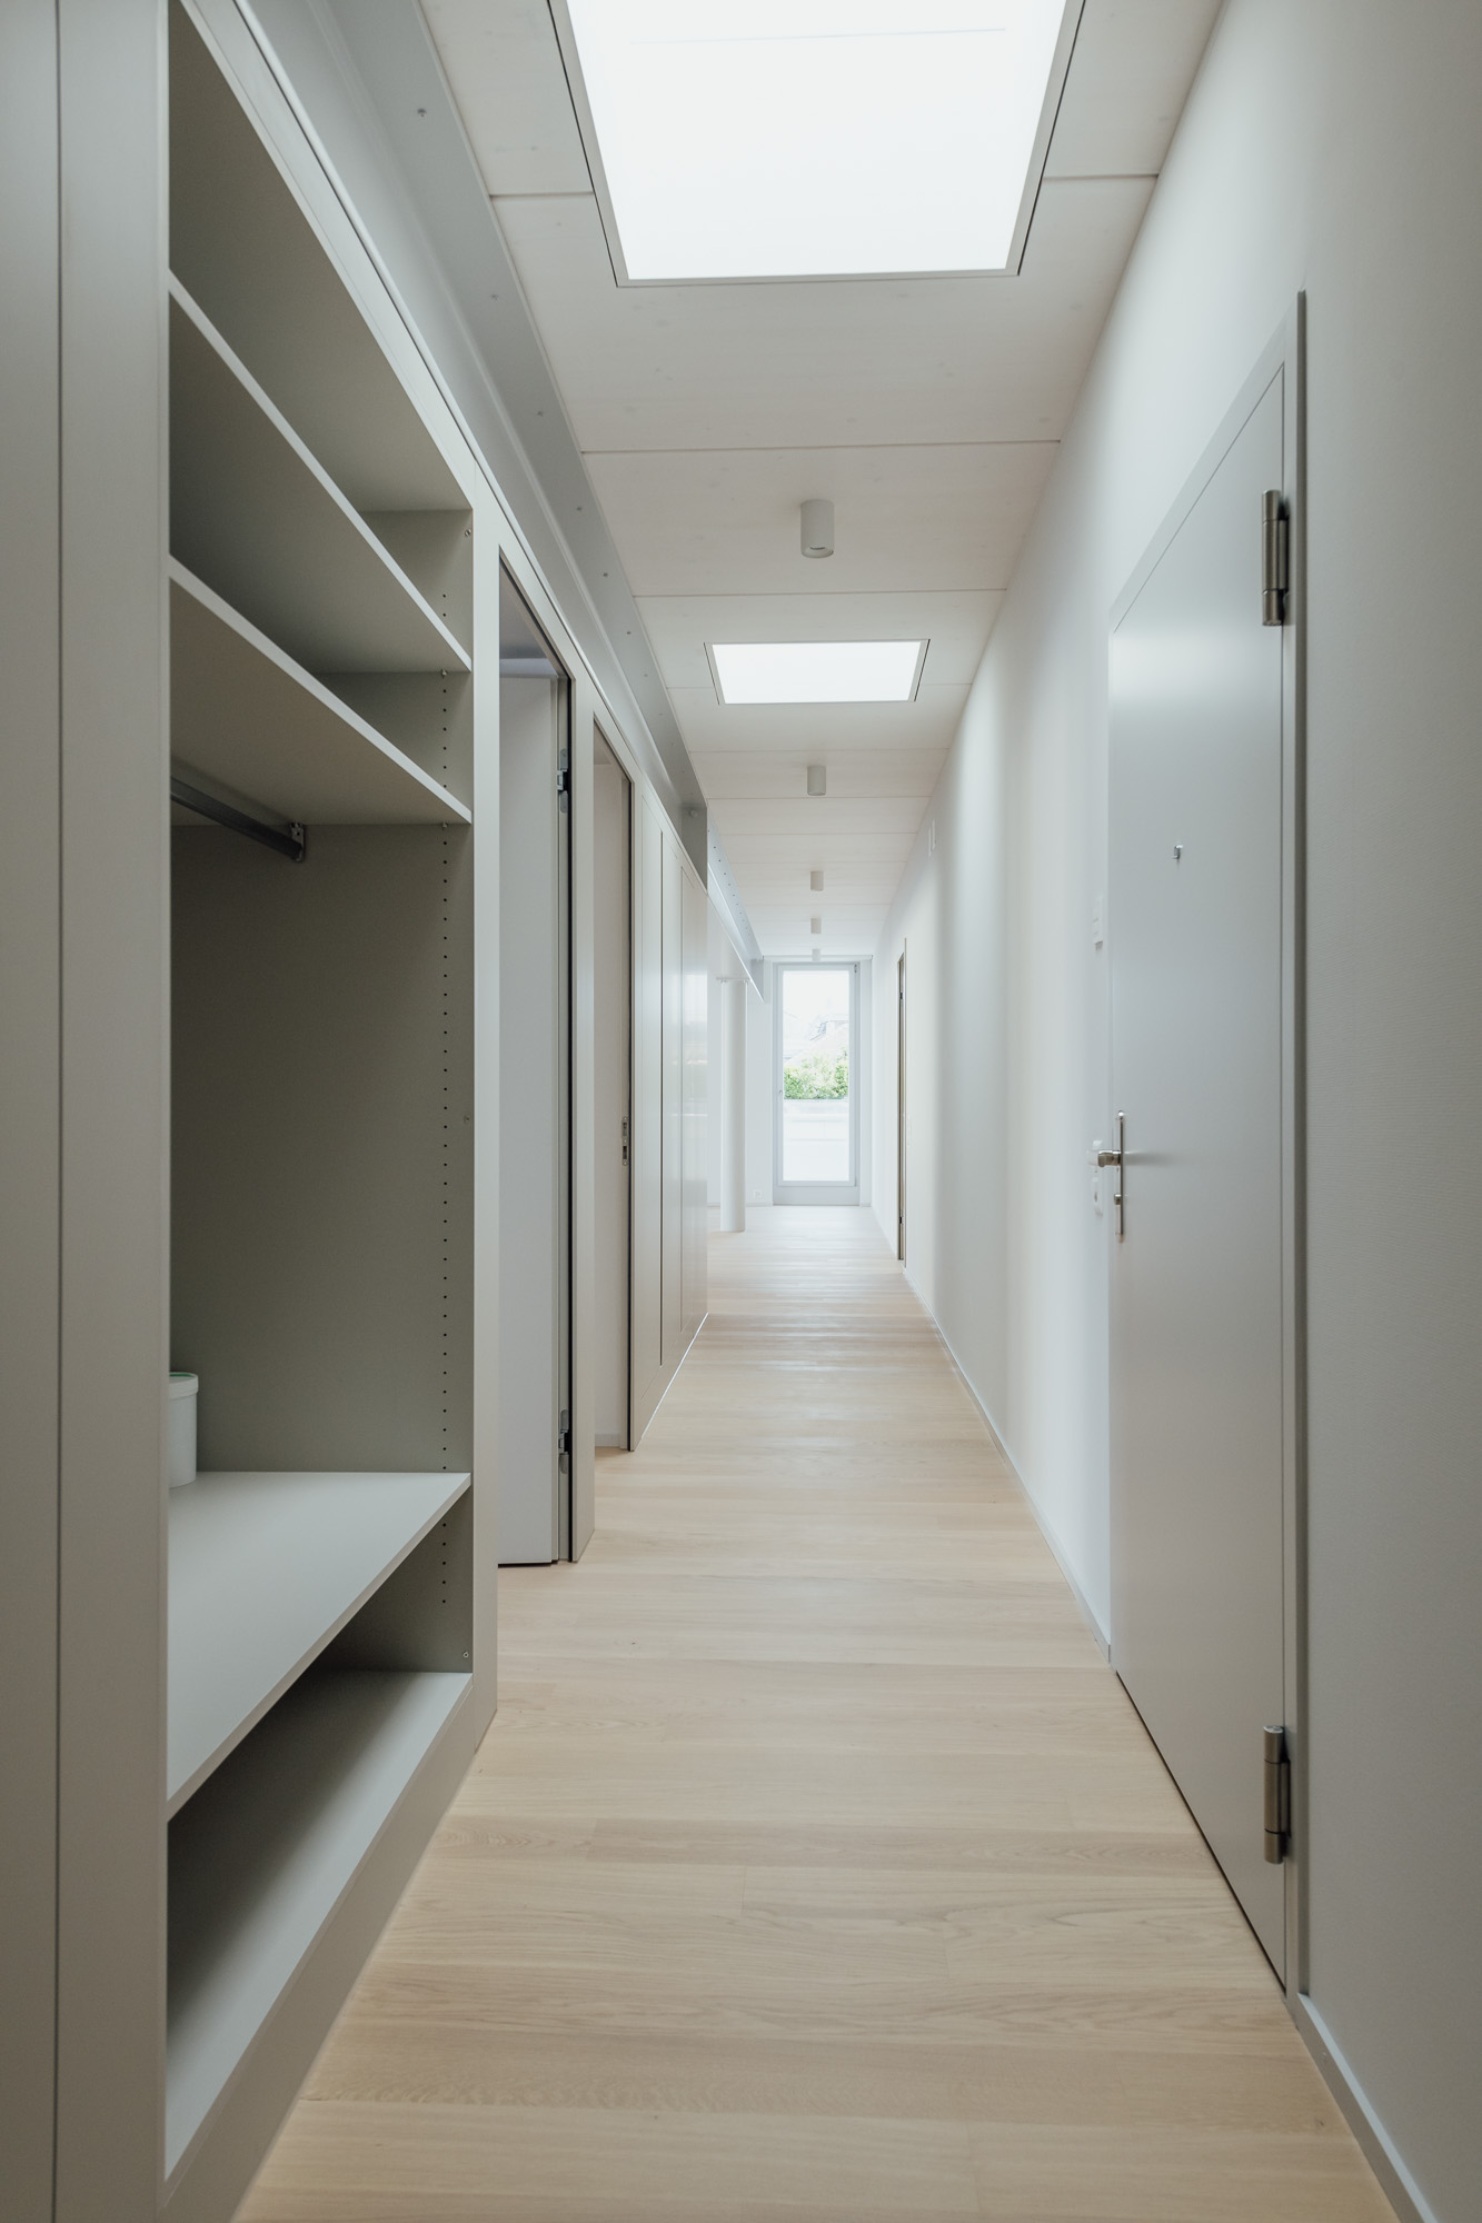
(818,527)
(818,779)
(815,882)
(815,925)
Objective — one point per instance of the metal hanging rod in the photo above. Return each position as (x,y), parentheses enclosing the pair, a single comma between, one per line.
(288,841)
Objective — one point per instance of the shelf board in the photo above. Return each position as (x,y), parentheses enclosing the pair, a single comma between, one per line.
(254,514)
(247,250)
(264,1570)
(263,1855)
(255,722)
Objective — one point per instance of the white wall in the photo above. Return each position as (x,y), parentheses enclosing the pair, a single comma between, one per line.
(1330,145)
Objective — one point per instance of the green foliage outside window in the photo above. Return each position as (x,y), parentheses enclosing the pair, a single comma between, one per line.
(816,1076)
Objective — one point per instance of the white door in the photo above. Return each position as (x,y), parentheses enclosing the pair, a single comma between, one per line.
(535,1397)
(612,909)
(817,1084)
(1199,1330)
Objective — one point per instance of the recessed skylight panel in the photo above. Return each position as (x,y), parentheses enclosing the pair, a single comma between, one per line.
(798,138)
(817,671)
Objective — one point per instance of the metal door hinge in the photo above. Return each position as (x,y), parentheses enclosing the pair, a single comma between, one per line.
(1278,1796)
(563,1436)
(563,781)
(1276,536)
(625,1142)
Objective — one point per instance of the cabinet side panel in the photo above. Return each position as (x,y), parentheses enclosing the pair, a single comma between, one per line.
(29,1096)
(114,1042)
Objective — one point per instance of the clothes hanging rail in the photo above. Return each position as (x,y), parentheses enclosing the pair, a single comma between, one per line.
(288,840)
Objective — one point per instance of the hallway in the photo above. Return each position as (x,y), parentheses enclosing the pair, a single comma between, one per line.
(815,1865)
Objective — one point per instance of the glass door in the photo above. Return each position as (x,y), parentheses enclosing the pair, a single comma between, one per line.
(817,1134)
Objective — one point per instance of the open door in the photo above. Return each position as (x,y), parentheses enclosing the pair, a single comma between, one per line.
(535,1514)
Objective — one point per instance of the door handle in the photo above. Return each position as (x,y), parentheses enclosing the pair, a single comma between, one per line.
(1117,1158)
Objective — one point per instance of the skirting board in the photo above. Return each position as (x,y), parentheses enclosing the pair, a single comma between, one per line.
(1399,2187)
(1087,1613)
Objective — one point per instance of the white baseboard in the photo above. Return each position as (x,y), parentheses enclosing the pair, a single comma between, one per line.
(1087,1611)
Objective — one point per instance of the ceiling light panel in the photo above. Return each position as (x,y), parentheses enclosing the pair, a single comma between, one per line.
(817,671)
(817,138)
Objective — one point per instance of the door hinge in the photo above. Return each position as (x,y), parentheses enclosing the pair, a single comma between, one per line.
(1276,537)
(1278,1796)
(563,781)
(625,1142)
(563,1436)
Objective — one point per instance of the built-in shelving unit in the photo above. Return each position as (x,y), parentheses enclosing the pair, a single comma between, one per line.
(246,254)
(260,726)
(321,1604)
(262,1856)
(257,517)
(265,1569)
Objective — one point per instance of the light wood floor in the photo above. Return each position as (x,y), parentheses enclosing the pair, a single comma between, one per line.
(816,1869)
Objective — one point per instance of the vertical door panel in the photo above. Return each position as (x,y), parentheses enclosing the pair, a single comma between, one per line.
(695,1109)
(612,1027)
(531,1125)
(900,1108)
(1197,1314)
(647,1145)
(672,1332)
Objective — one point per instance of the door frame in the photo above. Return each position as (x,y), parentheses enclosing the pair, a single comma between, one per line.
(815,1192)
(1284,358)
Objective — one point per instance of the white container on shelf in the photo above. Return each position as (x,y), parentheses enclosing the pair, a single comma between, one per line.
(182,1439)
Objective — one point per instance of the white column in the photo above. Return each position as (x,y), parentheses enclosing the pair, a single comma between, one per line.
(733,1109)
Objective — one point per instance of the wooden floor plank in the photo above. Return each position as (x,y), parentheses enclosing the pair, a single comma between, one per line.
(816,1868)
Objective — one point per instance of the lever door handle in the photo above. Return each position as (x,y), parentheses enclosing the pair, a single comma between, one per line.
(1117,1158)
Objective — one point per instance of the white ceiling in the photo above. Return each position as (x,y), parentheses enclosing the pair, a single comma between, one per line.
(928,410)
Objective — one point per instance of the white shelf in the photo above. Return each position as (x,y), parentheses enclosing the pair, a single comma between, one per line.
(264,1570)
(250,718)
(249,254)
(256,516)
(263,1855)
